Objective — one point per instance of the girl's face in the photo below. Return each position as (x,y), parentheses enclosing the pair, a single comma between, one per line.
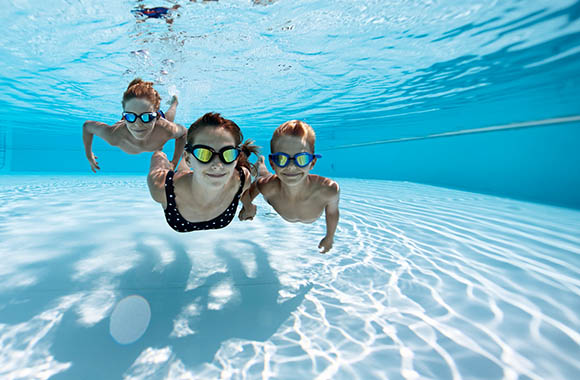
(214,173)
(139,129)
(291,145)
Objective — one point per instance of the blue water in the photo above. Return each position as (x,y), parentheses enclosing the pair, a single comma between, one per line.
(451,127)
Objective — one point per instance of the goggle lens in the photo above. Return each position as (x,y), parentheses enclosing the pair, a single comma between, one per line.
(303,159)
(202,154)
(147,117)
(130,117)
(281,160)
(230,155)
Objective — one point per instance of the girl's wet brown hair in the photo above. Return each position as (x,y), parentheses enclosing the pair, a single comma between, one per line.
(138,88)
(215,120)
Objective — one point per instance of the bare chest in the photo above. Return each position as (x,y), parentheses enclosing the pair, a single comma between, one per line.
(195,213)
(195,210)
(305,211)
(129,144)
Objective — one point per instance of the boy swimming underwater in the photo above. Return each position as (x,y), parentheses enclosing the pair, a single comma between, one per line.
(296,195)
(144,127)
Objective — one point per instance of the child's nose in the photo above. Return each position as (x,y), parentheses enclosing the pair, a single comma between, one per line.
(215,161)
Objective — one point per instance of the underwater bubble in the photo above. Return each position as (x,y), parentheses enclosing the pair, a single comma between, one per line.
(168,62)
(141,52)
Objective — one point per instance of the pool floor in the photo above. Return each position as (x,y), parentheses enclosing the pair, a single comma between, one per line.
(422,283)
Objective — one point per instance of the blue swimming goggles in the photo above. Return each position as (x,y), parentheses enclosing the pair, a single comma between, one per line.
(204,153)
(301,159)
(145,117)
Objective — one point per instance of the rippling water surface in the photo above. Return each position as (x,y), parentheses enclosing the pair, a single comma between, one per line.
(401,67)
(423,283)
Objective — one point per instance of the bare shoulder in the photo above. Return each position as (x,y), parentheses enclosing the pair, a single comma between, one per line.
(180,175)
(164,127)
(268,185)
(110,133)
(328,188)
(171,129)
(117,133)
(247,178)
(95,126)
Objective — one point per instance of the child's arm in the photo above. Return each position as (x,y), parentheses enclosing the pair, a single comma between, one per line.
(249,209)
(179,133)
(102,130)
(332,215)
(180,137)
(160,165)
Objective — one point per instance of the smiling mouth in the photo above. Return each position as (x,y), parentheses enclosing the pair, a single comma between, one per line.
(216,175)
(291,174)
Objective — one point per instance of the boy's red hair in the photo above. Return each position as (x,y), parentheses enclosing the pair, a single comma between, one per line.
(138,88)
(294,128)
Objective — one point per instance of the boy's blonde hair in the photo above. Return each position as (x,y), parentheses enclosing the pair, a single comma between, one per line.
(294,128)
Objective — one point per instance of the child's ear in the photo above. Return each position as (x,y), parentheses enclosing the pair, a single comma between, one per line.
(312,163)
(187,159)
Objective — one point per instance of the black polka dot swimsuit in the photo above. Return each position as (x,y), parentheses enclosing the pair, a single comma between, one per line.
(180,224)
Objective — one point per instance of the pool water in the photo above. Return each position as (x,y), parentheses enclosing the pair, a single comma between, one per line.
(451,127)
(423,283)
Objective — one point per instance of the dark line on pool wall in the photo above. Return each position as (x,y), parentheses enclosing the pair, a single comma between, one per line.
(494,128)
(2,148)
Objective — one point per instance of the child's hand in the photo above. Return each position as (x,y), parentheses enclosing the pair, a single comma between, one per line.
(248,213)
(93,162)
(326,244)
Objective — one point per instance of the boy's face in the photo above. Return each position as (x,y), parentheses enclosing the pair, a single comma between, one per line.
(291,145)
(139,129)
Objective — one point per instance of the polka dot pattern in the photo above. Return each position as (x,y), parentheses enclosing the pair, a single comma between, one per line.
(180,224)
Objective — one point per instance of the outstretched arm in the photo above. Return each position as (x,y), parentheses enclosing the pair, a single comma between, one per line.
(179,133)
(249,209)
(170,113)
(180,140)
(332,215)
(91,128)
(160,165)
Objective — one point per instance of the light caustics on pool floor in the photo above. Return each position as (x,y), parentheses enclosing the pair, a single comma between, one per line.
(423,283)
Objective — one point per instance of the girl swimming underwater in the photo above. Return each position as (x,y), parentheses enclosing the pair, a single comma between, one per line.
(214,173)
